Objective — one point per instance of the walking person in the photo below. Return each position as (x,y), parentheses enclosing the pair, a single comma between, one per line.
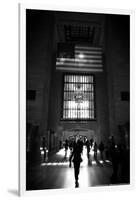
(76,158)
(88,149)
(44,148)
(91,142)
(66,148)
(115,157)
(95,151)
(101,149)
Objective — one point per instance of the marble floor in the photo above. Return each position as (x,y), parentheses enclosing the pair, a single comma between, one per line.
(56,173)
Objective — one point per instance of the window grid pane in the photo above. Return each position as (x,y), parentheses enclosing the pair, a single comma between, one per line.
(78,100)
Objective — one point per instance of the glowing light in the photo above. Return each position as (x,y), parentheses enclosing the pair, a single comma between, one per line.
(94,162)
(55,164)
(108,161)
(84,177)
(62,60)
(83,106)
(81,55)
(62,153)
(65,162)
(43,164)
(84,157)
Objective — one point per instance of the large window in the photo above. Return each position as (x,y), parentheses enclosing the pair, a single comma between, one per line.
(78,97)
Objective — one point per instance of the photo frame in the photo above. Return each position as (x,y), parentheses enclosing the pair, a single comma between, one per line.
(29,34)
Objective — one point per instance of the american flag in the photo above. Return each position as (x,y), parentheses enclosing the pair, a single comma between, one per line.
(84,58)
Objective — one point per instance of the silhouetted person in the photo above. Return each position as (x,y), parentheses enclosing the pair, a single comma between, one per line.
(115,164)
(66,147)
(95,151)
(60,144)
(76,158)
(115,154)
(91,142)
(70,145)
(101,149)
(112,143)
(125,164)
(85,140)
(88,148)
(44,147)
(81,141)
(107,152)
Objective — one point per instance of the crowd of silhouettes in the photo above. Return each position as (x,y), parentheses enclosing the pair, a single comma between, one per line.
(90,145)
(117,154)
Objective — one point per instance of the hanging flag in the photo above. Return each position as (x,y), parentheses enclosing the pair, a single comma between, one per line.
(81,58)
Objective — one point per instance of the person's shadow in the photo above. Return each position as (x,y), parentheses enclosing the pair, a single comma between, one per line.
(14,192)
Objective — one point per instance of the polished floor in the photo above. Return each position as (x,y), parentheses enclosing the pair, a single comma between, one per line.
(56,173)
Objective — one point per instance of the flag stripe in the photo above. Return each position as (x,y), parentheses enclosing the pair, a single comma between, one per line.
(81,64)
(88,56)
(77,60)
(80,69)
(87,48)
(88,52)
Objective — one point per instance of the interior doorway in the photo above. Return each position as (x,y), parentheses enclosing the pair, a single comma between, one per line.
(82,132)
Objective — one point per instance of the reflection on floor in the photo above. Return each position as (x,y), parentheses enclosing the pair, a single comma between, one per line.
(56,174)
(65,159)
